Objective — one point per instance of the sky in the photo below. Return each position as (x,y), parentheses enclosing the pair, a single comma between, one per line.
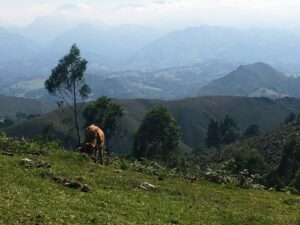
(171,13)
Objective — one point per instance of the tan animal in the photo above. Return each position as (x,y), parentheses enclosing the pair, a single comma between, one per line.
(95,140)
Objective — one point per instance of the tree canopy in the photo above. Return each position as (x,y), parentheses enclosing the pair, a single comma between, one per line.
(67,82)
(158,135)
(221,132)
(105,114)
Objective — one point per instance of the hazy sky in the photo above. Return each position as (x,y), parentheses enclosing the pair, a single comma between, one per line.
(240,13)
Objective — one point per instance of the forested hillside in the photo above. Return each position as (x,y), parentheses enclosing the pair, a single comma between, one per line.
(10,106)
(192,114)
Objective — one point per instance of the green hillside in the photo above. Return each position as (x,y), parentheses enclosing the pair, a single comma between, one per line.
(9,106)
(269,144)
(47,188)
(192,114)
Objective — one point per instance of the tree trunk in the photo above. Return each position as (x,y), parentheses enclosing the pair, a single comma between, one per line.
(164,152)
(76,116)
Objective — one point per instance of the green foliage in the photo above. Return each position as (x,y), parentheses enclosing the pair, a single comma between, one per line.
(223,132)
(213,134)
(67,82)
(158,135)
(230,136)
(290,118)
(6,123)
(2,134)
(226,124)
(105,114)
(290,160)
(296,180)
(252,131)
(250,160)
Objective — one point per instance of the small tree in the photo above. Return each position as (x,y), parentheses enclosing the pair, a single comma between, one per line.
(157,136)
(290,160)
(105,114)
(6,123)
(66,81)
(213,134)
(230,136)
(226,124)
(252,131)
(251,160)
(223,132)
(290,118)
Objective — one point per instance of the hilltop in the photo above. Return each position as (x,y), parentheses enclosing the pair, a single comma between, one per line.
(258,79)
(32,192)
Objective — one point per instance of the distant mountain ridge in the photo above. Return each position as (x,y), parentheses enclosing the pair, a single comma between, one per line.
(198,44)
(255,80)
(130,47)
(171,83)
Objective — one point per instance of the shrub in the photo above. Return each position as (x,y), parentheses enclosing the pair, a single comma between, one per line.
(251,160)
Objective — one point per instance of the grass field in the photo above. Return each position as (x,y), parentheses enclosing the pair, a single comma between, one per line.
(29,196)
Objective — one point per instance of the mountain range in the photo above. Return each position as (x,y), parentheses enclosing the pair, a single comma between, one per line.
(29,52)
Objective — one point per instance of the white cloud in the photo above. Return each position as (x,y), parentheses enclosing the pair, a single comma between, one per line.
(160,12)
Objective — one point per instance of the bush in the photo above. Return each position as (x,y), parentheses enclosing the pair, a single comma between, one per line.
(2,134)
(296,181)
(251,160)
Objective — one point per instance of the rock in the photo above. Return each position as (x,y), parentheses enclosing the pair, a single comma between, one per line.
(75,185)
(258,186)
(26,160)
(59,179)
(136,185)
(8,153)
(28,163)
(85,188)
(71,184)
(42,165)
(148,185)
(192,179)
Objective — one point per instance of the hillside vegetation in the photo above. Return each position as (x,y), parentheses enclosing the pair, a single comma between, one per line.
(192,114)
(40,185)
(10,106)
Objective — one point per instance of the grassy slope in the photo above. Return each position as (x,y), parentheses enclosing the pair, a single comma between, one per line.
(26,197)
